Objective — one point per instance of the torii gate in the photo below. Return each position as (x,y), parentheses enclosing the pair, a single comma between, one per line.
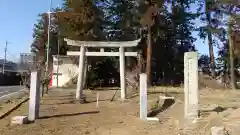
(101,44)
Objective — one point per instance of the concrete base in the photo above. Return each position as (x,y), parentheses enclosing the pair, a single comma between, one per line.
(82,100)
(19,120)
(164,97)
(218,130)
(152,119)
(124,100)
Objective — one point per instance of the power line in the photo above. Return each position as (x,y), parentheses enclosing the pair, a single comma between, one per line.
(13,56)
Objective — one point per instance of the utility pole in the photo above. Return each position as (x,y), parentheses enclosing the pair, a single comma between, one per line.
(48,42)
(5,57)
(58,51)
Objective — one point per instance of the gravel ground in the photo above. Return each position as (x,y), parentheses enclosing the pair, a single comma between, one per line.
(59,115)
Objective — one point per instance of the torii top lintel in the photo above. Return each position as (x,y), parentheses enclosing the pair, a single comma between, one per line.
(102,43)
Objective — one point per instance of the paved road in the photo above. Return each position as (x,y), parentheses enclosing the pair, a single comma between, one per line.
(5,90)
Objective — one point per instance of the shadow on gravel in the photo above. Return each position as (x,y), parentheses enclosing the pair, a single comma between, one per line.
(167,103)
(165,93)
(217,109)
(65,115)
(60,99)
(168,93)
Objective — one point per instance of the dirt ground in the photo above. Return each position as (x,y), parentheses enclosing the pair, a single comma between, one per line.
(11,101)
(59,115)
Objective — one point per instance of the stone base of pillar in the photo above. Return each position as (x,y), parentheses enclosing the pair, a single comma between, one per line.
(218,131)
(82,100)
(19,120)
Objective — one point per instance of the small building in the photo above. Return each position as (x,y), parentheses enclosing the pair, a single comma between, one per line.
(26,61)
(64,70)
(8,73)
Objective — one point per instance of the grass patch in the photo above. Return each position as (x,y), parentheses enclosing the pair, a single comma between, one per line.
(155,106)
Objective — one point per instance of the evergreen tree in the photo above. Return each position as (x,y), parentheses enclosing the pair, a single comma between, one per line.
(81,21)
(123,23)
(230,9)
(210,7)
(171,37)
(169,32)
(215,14)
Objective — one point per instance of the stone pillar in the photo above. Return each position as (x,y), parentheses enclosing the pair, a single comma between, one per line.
(191,94)
(79,91)
(143,96)
(34,102)
(101,49)
(122,73)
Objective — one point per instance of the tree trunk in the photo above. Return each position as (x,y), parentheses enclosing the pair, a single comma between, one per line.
(231,57)
(210,45)
(149,56)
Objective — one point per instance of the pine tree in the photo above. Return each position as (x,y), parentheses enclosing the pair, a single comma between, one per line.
(230,8)
(169,32)
(170,37)
(215,13)
(81,21)
(123,23)
(150,18)
(208,30)
(182,28)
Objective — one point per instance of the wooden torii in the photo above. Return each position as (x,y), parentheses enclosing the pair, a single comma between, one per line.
(101,44)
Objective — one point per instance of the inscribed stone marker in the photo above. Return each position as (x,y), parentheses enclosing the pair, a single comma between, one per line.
(34,101)
(143,96)
(191,94)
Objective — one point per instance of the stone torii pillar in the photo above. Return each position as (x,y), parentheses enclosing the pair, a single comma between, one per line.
(79,93)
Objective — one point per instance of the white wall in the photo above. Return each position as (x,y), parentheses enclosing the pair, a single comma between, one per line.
(67,70)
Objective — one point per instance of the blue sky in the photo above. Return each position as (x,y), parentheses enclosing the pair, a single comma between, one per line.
(16,25)
(18,18)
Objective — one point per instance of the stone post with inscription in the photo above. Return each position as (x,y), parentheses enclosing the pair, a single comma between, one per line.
(191,94)
(34,98)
